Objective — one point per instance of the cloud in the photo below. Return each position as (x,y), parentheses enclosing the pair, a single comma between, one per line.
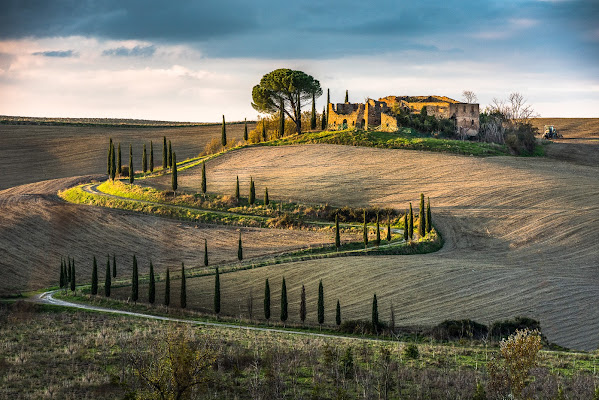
(137,51)
(57,53)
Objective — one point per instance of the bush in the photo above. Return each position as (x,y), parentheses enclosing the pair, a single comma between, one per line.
(503,329)
(466,328)
(360,327)
(411,351)
(125,171)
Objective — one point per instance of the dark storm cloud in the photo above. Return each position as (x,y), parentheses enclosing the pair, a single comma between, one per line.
(137,51)
(57,53)
(275,29)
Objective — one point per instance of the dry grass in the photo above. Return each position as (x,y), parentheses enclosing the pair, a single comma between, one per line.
(32,153)
(521,235)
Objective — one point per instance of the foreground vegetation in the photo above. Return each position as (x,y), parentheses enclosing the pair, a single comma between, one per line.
(54,353)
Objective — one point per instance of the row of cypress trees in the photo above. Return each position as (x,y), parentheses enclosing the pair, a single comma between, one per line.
(252,191)
(114,164)
(424,220)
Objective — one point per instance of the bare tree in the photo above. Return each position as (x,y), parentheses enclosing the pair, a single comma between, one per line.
(514,109)
(469,96)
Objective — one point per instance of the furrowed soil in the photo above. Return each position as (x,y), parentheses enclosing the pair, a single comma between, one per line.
(522,236)
(31,153)
(580,143)
(38,228)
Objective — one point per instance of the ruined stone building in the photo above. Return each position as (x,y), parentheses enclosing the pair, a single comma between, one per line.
(380,114)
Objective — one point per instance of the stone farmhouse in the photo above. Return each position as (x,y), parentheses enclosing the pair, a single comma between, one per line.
(380,114)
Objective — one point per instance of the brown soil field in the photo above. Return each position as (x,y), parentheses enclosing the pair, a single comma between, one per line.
(580,144)
(31,153)
(37,228)
(522,236)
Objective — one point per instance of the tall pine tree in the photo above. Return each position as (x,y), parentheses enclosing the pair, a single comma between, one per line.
(68,271)
(134,281)
(266,199)
(320,304)
(313,117)
(388,229)
(365,231)
(151,156)
(95,277)
(284,304)
(337,233)
(144,160)
(217,292)
(252,197)
(267,301)
(323,120)
(167,289)
(164,154)
(174,174)
(429,224)
(112,163)
(107,278)
(406,228)
(205,252)
(411,223)
(237,194)
(378,230)
(131,172)
(375,314)
(203,177)
(61,280)
(239,249)
(303,305)
(114,266)
(245,130)
(223,134)
(264,138)
(109,157)
(421,217)
(328,102)
(183,287)
(152,286)
(73,275)
(170,154)
(338,314)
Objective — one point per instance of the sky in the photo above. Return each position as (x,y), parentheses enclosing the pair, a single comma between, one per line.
(197,60)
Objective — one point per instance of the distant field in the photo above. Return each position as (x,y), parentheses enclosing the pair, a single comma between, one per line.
(31,153)
(571,127)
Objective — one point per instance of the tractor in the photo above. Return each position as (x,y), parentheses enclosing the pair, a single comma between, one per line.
(549,132)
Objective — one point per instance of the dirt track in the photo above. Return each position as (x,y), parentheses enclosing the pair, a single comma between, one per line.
(522,235)
(37,228)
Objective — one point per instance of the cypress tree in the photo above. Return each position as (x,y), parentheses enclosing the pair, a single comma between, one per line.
(73,275)
(328,102)
(205,253)
(323,120)
(266,199)
(183,287)
(429,224)
(164,154)
(109,158)
(167,289)
(252,197)
(152,287)
(346,96)
(338,314)
(174,174)
(223,134)
(313,118)
(144,160)
(284,304)
(337,233)
(112,163)
(267,301)
(134,281)
(151,156)
(411,224)
(119,164)
(282,118)
(131,172)
(378,230)
(113,266)
(170,154)
(239,249)
(303,305)
(388,229)
(68,271)
(95,277)
(405,226)
(264,130)
(107,278)
(421,217)
(245,130)
(237,195)
(61,280)
(375,314)
(365,233)
(320,304)
(217,292)
(203,177)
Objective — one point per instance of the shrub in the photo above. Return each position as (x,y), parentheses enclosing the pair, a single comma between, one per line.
(411,351)
(124,171)
(466,328)
(503,329)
